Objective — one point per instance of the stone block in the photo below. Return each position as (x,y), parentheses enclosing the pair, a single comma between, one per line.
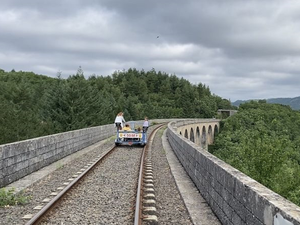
(229,182)
(7,151)
(216,197)
(228,211)
(251,219)
(255,202)
(236,220)
(239,190)
(239,208)
(218,187)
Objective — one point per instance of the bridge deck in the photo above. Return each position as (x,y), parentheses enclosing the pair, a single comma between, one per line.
(197,207)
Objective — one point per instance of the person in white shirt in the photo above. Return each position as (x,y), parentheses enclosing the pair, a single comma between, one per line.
(145,125)
(119,121)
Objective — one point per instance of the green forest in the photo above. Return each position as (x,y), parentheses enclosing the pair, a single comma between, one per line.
(263,141)
(33,105)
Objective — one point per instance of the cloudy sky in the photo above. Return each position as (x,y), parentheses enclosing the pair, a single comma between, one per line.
(240,49)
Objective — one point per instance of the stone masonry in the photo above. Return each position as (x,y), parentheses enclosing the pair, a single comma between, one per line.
(235,198)
(19,159)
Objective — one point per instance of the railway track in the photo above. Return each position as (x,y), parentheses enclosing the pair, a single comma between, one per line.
(104,191)
(100,197)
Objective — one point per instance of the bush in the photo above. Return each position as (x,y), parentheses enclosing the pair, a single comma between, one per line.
(8,197)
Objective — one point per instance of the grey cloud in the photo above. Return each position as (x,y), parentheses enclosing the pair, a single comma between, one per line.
(240,50)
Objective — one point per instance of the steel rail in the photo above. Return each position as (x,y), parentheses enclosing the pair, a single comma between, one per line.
(138,203)
(39,216)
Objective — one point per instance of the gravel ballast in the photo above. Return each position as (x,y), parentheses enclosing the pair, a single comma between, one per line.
(105,196)
(170,206)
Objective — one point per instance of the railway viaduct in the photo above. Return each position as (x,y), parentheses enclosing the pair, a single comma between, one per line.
(234,197)
(201,132)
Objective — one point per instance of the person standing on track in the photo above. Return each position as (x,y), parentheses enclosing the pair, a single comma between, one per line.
(119,121)
(145,124)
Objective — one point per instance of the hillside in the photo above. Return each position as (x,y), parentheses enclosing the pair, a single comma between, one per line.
(294,103)
(32,105)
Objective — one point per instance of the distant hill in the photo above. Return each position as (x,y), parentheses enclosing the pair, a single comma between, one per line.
(294,103)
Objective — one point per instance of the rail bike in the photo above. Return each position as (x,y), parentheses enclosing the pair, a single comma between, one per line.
(132,134)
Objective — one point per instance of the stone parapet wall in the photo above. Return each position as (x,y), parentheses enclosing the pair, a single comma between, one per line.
(19,159)
(235,198)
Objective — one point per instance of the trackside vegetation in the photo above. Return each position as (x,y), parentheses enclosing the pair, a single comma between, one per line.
(8,197)
(33,105)
(263,141)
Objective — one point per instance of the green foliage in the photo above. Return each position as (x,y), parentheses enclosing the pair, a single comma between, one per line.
(34,105)
(9,198)
(262,140)
(20,104)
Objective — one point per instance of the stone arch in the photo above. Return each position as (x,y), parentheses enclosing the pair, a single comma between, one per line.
(192,137)
(197,136)
(203,137)
(216,130)
(210,138)
(201,133)
(186,135)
